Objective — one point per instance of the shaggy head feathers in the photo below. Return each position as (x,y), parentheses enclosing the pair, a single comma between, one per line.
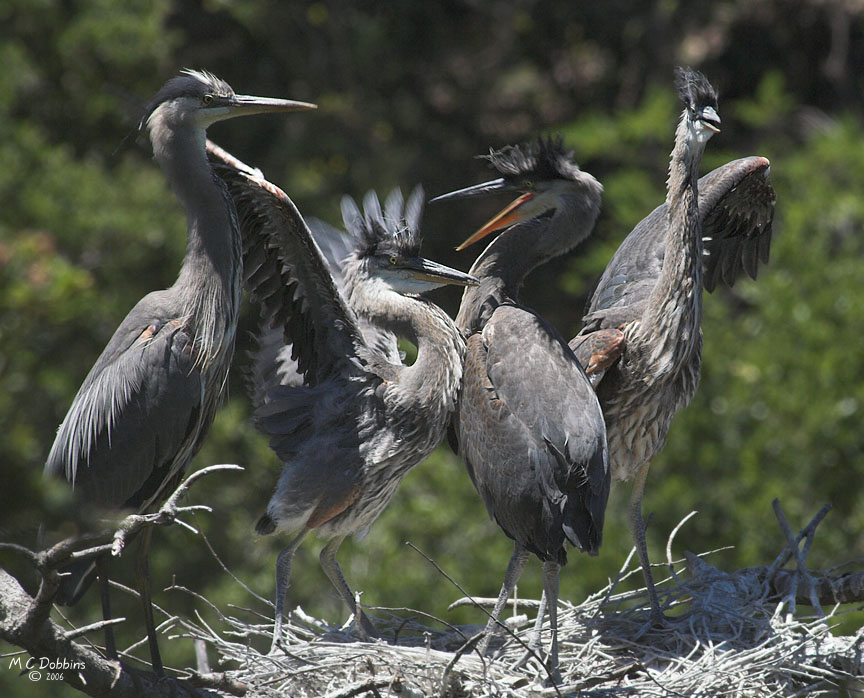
(393,230)
(694,89)
(542,160)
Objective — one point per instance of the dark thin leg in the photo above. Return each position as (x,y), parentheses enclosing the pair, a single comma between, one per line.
(534,644)
(334,573)
(550,591)
(104,588)
(514,571)
(283,576)
(637,530)
(144,587)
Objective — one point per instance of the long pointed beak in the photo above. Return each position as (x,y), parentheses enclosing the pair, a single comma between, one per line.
(508,216)
(241,105)
(424,269)
(495,185)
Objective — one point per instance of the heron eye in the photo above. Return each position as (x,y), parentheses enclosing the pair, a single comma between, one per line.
(208,100)
(528,184)
(393,259)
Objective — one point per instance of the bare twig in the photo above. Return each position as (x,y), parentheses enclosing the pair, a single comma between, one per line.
(168,512)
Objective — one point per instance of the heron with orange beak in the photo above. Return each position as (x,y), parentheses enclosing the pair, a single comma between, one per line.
(528,424)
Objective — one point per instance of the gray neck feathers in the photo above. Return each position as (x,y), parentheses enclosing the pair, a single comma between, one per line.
(674,309)
(509,258)
(434,377)
(208,285)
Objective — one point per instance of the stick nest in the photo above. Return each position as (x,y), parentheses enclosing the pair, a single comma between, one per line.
(730,635)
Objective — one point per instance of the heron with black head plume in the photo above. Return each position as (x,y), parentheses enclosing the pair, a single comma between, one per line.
(529,426)
(360,420)
(642,338)
(144,409)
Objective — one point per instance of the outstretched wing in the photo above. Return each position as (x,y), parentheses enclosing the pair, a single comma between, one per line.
(736,202)
(336,246)
(287,274)
(272,362)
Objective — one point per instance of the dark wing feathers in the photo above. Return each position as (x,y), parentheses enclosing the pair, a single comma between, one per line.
(736,202)
(737,206)
(287,274)
(272,362)
(116,443)
(525,401)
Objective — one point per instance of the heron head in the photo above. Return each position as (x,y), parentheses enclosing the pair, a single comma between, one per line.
(542,173)
(387,253)
(198,99)
(700,103)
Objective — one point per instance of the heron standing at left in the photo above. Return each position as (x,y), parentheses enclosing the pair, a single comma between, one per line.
(145,408)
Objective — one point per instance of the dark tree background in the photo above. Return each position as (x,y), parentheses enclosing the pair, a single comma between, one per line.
(409,92)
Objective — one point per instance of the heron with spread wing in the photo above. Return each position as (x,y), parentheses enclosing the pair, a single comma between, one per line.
(145,407)
(360,420)
(641,342)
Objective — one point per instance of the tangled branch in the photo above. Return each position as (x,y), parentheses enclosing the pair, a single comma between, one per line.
(25,621)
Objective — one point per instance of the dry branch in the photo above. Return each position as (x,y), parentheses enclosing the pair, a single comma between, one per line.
(25,621)
(732,637)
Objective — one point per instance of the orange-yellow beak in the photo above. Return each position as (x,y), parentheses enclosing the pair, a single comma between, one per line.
(508,216)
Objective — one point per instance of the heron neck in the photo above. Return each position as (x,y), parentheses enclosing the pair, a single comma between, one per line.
(436,373)
(509,258)
(675,303)
(208,284)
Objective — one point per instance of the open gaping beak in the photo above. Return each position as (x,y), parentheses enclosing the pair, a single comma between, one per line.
(513,213)
(710,118)
(423,269)
(507,217)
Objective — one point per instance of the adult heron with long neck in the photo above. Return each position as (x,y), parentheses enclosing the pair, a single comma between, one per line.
(529,426)
(359,421)
(144,409)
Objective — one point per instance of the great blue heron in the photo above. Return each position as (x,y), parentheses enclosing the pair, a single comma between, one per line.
(146,405)
(529,426)
(359,422)
(642,333)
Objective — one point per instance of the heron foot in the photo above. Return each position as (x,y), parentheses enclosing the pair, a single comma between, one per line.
(531,653)
(365,628)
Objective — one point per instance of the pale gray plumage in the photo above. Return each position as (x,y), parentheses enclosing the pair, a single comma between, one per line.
(649,303)
(360,420)
(529,426)
(146,405)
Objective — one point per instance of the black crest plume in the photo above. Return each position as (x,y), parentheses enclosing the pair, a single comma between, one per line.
(543,160)
(694,89)
(395,229)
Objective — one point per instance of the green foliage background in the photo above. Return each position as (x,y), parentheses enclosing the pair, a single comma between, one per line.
(409,92)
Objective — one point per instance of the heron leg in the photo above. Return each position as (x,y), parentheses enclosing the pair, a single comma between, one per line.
(101,563)
(283,577)
(514,571)
(550,591)
(535,647)
(334,573)
(637,530)
(143,570)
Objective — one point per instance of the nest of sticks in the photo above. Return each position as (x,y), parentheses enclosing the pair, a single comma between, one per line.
(735,634)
